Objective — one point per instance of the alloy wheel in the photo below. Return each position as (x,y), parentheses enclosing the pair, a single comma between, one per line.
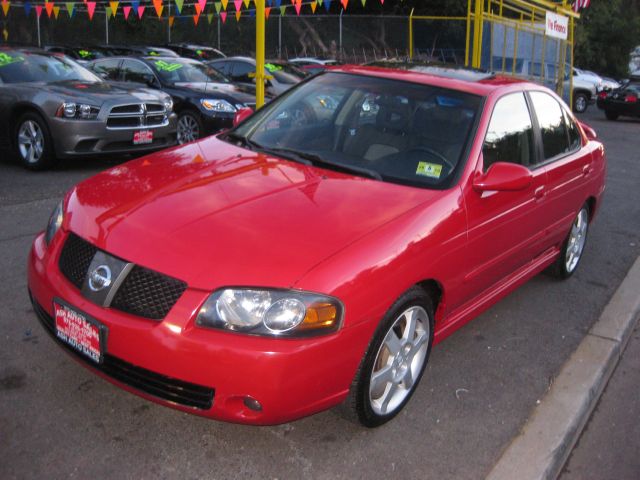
(399,360)
(30,141)
(188,129)
(576,241)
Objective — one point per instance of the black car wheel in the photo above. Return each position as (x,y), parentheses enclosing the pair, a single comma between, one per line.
(33,142)
(189,127)
(580,102)
(611,115)
(394,362)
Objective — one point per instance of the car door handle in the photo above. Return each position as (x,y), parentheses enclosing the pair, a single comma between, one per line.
(539,192)
(586,170)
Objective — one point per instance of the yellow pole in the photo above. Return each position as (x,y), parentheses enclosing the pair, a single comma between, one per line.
(411,35)
(260,41)
(467,47)
(477,34)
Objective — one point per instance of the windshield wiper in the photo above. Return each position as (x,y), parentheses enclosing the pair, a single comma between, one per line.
(236,137)
(317,160)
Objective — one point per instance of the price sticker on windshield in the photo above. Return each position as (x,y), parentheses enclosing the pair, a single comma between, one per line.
(431,170)
(8,59)
(166,66)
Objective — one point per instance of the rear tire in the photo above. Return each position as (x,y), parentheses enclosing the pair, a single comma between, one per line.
(394,362)
(573,247)
(32,142)
(611,115)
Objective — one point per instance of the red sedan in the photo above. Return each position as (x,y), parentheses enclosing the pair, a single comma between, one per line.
(313,254)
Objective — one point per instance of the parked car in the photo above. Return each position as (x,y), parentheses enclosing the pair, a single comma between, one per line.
(315,253)
(199,52)
(313,65)
(609,83)
(281,76)
(51,108)
(204,100)
(623,101)
(584,88)
(81,55)
(112,50)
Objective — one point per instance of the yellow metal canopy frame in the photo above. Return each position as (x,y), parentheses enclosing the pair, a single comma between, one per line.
(516,16)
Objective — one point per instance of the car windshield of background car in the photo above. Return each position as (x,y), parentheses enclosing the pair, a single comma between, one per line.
(17,67)
(176,71)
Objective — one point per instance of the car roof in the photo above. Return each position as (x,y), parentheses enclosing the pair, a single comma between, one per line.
(446,76)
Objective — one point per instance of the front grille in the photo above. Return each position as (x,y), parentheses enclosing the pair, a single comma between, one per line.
(167,388)
(75,259)
(148,294)
(138,115)
(144,293)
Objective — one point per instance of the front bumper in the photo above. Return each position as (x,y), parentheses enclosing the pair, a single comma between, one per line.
(92,137)
(291,378)
(214,123)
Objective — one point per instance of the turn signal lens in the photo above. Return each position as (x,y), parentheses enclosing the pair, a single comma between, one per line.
(631,99)
(320,315)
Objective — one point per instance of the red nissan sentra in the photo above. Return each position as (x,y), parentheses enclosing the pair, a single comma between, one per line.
(313,254)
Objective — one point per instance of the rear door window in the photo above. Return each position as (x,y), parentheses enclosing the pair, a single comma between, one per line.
(108,69)
(136,71)
(241,70)
(509,137)
(553,130)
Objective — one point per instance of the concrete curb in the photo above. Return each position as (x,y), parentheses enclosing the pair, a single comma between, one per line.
(543,446)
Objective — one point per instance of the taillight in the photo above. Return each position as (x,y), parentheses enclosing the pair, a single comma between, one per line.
(602,95)
(632,98)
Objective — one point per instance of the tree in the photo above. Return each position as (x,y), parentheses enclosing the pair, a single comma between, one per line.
(605,35)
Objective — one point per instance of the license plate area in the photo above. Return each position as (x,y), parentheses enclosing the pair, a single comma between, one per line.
(142,137)
(80,331)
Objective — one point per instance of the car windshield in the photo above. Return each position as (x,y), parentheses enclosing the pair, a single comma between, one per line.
(18,67)
(391,130)
(284,73)
(86,54)
(179,70)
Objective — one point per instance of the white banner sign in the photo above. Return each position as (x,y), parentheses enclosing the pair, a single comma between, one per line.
(557,26)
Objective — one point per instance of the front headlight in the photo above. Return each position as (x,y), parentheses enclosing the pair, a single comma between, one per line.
(55,222)
(168,104)
(282,313)
(78,111)
(217,105)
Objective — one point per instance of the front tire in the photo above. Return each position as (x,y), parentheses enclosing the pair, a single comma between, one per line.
(394,362)
(189,127)
(33,143)
(573,247)
(580,102)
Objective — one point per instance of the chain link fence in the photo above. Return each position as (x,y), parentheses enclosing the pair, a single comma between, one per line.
(350,38)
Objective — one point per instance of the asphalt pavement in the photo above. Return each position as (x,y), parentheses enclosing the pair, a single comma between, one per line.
(60,421)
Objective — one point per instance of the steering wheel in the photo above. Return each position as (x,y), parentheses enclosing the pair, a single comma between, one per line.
(302,114)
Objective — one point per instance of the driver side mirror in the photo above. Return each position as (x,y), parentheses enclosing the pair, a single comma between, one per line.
(241,115)
(503,176)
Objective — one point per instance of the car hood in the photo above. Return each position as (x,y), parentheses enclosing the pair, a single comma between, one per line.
(97,92)
(220,90)
(213,214)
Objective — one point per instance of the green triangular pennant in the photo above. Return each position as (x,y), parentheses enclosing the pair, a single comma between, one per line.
(218,6)
(209,18)
(179,5)
(70,6)
(283,9)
